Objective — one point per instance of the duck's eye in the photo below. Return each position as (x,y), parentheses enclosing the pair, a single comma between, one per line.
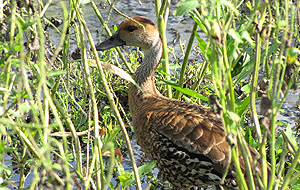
(131,28)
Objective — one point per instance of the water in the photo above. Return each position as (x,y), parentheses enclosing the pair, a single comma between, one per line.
(178,26)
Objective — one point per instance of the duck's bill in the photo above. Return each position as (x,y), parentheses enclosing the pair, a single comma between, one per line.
(111,42)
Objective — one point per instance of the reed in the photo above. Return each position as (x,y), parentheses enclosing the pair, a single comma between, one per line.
(162,13)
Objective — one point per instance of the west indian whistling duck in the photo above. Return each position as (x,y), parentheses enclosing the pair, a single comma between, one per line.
(187,140)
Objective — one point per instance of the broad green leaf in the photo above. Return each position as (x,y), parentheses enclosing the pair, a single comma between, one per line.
(83,2)
(248,136)
(187,91)
(243,107)
(185,6)
(248,69)
(17,48)
(187,99)
(115,28)
(236,36)
(246,88)
(8,169)
(162,72)
(292,54)
(4,90)
(124,177)
(278,144)
(203,46)
(200,24)
(230,6)
(56,73)
(245,35)
(233,116)
(143,170)
(290,135)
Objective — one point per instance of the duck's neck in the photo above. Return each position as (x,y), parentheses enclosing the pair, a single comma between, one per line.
(144,74)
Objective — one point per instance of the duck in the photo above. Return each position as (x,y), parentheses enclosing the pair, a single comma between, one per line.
(187,140)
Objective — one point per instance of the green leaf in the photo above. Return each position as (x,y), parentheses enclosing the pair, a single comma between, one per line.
(248,136)
(187,91)
(235,35)
(243,107)
(56,73)
(17,48)
(246,88)
(4,90)
(203,46)
(160,71)
(247,70)
(281,122)
(187,99)
(8,169)
(143,170)
(292,54)
(83,2)
(278,143)
(290,135)
(115,28)
(57,166)
(296,184)
(245,35)
(124,177)
(230,6)
(186,6)
(196,19)
(236,70)
(233,116)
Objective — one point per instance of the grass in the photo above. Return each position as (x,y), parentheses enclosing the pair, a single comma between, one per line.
(64,122)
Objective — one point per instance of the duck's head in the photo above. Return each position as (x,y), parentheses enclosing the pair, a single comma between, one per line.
(131,34)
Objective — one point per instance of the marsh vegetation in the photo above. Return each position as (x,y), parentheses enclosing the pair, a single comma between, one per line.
(64,117)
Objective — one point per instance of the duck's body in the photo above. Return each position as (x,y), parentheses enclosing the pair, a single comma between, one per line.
(188,141)
(185,139)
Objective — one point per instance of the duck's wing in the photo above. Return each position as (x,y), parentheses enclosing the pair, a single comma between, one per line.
(190,127)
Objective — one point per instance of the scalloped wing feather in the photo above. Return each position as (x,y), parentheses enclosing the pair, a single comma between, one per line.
(188,126)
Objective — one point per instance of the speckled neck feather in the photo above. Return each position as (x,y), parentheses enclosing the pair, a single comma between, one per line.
(144,74)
